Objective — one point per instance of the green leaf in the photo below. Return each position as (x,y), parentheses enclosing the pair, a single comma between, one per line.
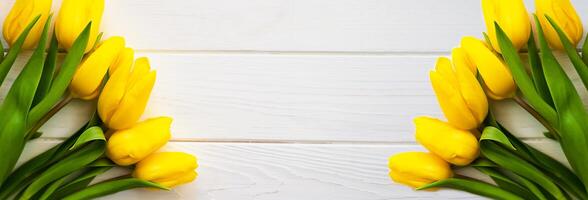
(529,185)
(14,109)
(507,184)
(572,115)
(537,71)
(82,179)
(91,134)
(76,161)
(494,134)
(62,79)
(482,162)
(103,162)
(26,173)
(522,79)
(561,174)
(507,160)
(110,187)
(9,59)
(572,52)
(475,187)
(2,52)
(585,51)
(51,188)
(48,71)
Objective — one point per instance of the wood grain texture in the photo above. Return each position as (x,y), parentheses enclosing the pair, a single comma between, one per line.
(302,25)
(321,98)
(285,99)
(284,171)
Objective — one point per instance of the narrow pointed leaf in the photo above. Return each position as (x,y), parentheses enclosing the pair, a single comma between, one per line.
(90,134)
(507,184)
(9,59)
(522,79)
(110,187)
(76,161)
(475,187)
(585,51)
(537,71)
(494,134)
(572,115)
(16,106)
(572,52)
(62,79)
(507,160)
(48,71)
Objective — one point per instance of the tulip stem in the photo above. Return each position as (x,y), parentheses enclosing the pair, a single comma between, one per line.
(552,131)
(49,115)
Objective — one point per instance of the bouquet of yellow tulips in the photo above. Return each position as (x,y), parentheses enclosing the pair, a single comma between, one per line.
(483,71)
(96,70)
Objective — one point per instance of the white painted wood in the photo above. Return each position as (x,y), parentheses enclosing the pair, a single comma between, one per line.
(289,171)
(292,98)
(338,81)
(302,25)
(284,171)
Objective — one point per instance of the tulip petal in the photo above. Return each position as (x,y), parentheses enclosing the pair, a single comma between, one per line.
(456,146)
(461,60)
(417,168)
(167,168)
(124,59)
(472,93)
(89,76)
(129,146)
(449,97)
(112,94)
(134,101)
(495,74)
(73,16)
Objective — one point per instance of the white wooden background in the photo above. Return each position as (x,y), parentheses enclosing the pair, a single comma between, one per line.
(292,99)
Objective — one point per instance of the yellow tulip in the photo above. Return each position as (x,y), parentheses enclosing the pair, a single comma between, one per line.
(125,95)
(21,14)
(167,168)
(512,17)
(129,146)
(73,18)
(86,81)
(125,58)
(562,12)
(498,80)
(459,94)
(453,145)
(461,60)
(417,169)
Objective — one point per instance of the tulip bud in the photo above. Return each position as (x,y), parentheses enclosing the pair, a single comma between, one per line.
(21,14)
(459,94)
(125,59)
(498,80)
(512,16)
(417,169)
(461,60)
(564,14)
(125,95)
(129,146)
(167,168)
(455,146)
(73,18)
(88,78)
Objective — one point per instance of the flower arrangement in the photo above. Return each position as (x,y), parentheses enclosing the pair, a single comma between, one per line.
(483,71)
(101,71)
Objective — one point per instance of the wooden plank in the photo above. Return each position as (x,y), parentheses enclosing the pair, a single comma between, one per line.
(303,25)
(324,98)
(283,171)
